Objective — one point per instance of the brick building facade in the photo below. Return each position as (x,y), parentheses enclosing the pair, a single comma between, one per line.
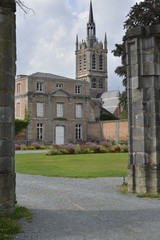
(62,110)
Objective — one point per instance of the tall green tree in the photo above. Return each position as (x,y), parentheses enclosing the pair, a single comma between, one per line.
(145,13)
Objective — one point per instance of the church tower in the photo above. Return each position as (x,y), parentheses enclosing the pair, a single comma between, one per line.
(91,59)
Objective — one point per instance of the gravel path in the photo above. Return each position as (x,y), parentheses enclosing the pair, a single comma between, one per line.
(80,209)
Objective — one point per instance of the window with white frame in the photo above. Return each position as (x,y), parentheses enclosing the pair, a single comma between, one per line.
(59,85)
(78,110)
(78,131)
(18,110)
(18,87)
(60,111)
(40,130)
(78,89)
(40,109)
(40,87)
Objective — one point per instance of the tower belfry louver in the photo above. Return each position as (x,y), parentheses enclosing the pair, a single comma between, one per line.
(91,59)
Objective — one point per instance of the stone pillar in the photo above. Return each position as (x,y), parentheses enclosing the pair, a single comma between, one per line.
(7,86)
(143,75)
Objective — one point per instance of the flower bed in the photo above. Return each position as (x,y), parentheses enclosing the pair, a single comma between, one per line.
(83,148)
(88,147)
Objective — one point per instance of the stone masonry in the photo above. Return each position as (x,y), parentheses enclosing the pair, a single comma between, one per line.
(7,85)
(143,75)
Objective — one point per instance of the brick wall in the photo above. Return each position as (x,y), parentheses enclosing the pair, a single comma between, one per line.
(116,130)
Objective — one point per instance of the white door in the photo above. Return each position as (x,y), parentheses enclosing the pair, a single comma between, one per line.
(59,135)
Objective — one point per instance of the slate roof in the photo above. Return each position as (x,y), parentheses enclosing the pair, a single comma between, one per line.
(110,100)
(51,76)
(99,103)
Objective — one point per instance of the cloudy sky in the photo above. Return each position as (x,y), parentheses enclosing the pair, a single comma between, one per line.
(46,38)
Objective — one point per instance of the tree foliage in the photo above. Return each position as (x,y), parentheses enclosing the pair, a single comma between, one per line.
(121,71)
(20,124)
(145,13)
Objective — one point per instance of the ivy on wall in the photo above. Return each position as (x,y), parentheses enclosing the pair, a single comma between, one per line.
(20,124)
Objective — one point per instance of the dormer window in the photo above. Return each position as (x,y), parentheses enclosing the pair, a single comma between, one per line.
(59,85)
(78,89)
(40,86)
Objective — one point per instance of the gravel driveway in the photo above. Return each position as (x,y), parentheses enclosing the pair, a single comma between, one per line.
(80,209)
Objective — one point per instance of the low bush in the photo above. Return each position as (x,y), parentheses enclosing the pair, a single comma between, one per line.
(87,148)
(81,148)
(23,147)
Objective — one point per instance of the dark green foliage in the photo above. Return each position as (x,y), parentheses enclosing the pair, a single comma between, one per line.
(104,117)
(145,13)
(121,71)
(20,125)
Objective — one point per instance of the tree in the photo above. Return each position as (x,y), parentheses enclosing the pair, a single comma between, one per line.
(121,71)
(145,13)
(23,6)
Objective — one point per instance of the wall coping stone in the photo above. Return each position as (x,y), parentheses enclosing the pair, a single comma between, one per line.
(147,31)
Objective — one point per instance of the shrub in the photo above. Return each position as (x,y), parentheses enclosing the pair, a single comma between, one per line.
(103,149)
(36,145)
(31,147)
(86,150)
(115,149)
(54,152)
(78,149)
(43,147)
(70,148)
(63,151)
(17,147)
(123,147)
(23,147)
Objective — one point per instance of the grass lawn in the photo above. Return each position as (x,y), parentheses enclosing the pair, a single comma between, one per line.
(76,166)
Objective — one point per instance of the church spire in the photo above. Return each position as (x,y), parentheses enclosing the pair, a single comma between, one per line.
(105,42)
(91,28)
(91,20)
(77,42)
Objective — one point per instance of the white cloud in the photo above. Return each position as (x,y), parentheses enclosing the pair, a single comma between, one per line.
(46,40)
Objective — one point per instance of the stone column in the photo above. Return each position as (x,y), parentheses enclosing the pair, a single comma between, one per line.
(7,86)
(143,75)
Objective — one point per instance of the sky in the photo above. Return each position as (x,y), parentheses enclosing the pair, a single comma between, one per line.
(46,36)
